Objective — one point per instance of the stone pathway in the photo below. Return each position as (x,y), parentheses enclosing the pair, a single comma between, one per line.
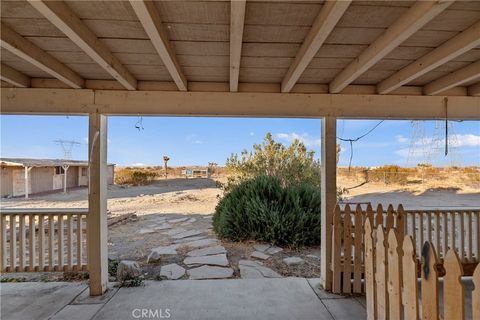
(186,248)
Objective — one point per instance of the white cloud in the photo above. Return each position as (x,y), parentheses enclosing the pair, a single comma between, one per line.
(464,140)
(198,141)
(401,139)
(252,133)
(305,138)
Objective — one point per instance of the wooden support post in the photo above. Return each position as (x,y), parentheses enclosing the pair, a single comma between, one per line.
(27,169)
(97,204)
(329,195)
(65,170)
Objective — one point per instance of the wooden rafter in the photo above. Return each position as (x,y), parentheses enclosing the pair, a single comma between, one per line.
(150,19)
(457,78)
(12,76)
(237,20)
(474,89)
(60,15)
(454,47)
(26,50)
(411,21)
(326,20)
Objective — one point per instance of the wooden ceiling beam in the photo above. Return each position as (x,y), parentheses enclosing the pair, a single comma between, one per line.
(150,19)
(237,21)
(325,22)
(60,15)
(228,104)
(474,89)
(454,79)
(28,51)
(463,42)
(15,77)
(410,22)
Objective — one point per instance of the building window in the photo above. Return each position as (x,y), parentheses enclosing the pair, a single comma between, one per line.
(84,172)
(59,170)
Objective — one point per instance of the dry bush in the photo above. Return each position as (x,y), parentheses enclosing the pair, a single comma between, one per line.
(135,176)
(390,174)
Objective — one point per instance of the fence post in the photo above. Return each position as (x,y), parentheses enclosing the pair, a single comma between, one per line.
(476,294)
(429,283)
(370,272)
(358,247)
(453,294)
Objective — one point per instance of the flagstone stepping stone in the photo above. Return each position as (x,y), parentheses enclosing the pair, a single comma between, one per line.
(192,220)
(172,271)
(146,230)
(187,234)
(156,253)
(261,247)
(177,220)
(209,272)
(254,270)
(313,256)
(291,261)
(273,250)
(200,243)
(189,239)
(174,231)
(259,255)
(207,251)
(212,260)
(163,226)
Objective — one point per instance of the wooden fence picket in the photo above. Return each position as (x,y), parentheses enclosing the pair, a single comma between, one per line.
(400,223)
(389,220)
(429,283)
(370,272)
(369,213)
(394,277)
(381,274)
(379,216)
(32,243)
(347,252)
(358,245)
(410,283)
(453,289)
(336,251)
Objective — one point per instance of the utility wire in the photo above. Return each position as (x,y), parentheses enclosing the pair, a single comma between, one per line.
(351,141)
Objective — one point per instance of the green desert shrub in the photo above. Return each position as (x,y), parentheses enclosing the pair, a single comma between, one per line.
(266,210)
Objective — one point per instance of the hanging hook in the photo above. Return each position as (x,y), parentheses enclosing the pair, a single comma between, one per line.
(139,124)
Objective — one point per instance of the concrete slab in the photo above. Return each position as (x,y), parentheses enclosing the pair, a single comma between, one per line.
(36,300)
(277,299)
(322,294)
(77,312)
(345,309)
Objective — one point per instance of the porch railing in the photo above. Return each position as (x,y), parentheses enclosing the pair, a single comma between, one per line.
(43,240)
(457,229)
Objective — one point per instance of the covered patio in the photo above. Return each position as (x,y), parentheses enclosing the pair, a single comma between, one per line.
(307,59)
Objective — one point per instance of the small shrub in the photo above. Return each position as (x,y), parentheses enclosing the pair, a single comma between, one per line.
(136,177)
(263,209)
(112,267)
(390,174)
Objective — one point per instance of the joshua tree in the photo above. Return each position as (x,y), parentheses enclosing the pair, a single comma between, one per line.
(165,161)
(212,166)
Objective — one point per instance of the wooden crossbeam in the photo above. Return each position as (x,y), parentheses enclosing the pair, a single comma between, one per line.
(326,20)
(457,78)
(12,76)
(237,20)
(474,89)
(238,104)
(150,19)
(28,51)
(454,47)
(60,15)
(410,22)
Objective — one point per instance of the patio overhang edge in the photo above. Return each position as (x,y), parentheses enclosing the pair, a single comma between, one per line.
(239,104)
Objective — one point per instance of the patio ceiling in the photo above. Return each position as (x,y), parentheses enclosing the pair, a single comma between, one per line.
(366,48)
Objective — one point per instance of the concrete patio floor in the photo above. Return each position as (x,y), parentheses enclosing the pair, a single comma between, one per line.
(285,298)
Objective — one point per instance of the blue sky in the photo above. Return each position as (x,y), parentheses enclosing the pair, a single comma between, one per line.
(189,141)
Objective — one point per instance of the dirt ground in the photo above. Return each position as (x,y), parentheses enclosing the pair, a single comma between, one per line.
(195,199)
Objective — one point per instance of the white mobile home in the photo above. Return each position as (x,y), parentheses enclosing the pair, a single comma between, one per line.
(43,175)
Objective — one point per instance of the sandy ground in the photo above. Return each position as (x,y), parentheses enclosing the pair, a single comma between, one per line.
(197,198)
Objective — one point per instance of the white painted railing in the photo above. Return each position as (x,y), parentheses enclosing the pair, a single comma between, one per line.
(43,240)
